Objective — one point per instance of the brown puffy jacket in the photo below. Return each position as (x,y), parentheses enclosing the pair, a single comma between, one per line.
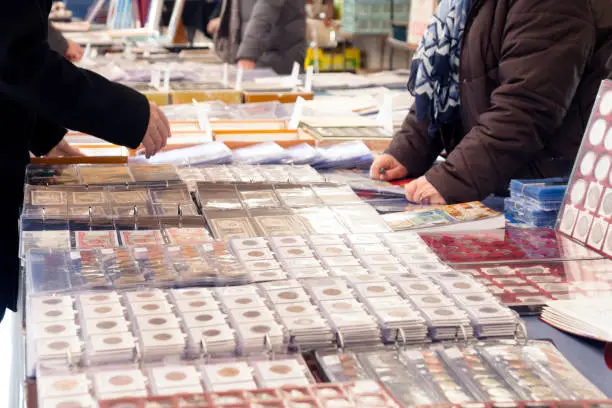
(530,71)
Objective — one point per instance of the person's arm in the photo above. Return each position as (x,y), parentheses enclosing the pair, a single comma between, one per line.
(413,147)
(264,16)
(57,41)
(42,80)
(541,63)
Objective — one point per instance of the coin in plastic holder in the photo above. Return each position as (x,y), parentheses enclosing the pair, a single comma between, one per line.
(174,377)
(598,233)
(569,217)
(346,271)
(278,370)
(119,383)
(77,401)
(428,301)
(262,265)
(248,244)
(105,326)
(288,241)
(294,252)
(583,226)
(606,204)
(157,322)
(59,348)
(605,104)
(332,292)
(257,314)
(587,163)
(377,289)
(61,328)
(333,251)
(342,306)
(62,386)
(150,308)
(593,196)
(226,373)
(242,302)
(389,269)
(296,310)
(332,262)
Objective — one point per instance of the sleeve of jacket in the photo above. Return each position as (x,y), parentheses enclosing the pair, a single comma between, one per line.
(543,57)
(45,135)
(265,14)
(42,80)
(413,147)
(57,41)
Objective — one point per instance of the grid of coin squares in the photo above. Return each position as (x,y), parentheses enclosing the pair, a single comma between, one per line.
(61,271)
(506,245)
(335,255)
(587,209)
(117,382)
(349,395)
(535,284)
(297,174)
(249,319)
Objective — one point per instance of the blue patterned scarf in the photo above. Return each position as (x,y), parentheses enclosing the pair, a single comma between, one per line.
(434,73)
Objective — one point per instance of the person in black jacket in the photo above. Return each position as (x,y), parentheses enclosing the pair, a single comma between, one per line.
(42,94)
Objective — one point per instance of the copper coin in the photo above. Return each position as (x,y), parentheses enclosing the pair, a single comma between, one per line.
(295,251)
(256,254)
(332,292)
(121,380)
(157,321)
(376,289)
(106,325)
(162,337)
(251,314)
(103,309)
(55,328)
(197,303)
(99,298)
(304,322)
(244,301)
(211,333)
(112,340)
(288,295)
(52,301)
(228,372)
(296,309)
(191,293)
(176,376)
(281,369)
(151,306)
(260,329)
(58,345)
(65,384)
(431,299)
(54,313)
(462,285)
(249,242)
(399,313)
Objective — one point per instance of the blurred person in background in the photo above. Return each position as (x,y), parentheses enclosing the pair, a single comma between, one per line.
(503,87)
(42,94)
(266,33)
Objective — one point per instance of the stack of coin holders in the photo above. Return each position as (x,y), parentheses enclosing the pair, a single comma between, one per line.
(68,271)
(453,374)
(231,376)
(348,395)
(252,209)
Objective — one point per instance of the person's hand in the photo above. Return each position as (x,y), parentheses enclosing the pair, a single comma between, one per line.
(158,131)
(246,65)
(63,149)
(421,191)
(393,169)
(75,52)
(213,26)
